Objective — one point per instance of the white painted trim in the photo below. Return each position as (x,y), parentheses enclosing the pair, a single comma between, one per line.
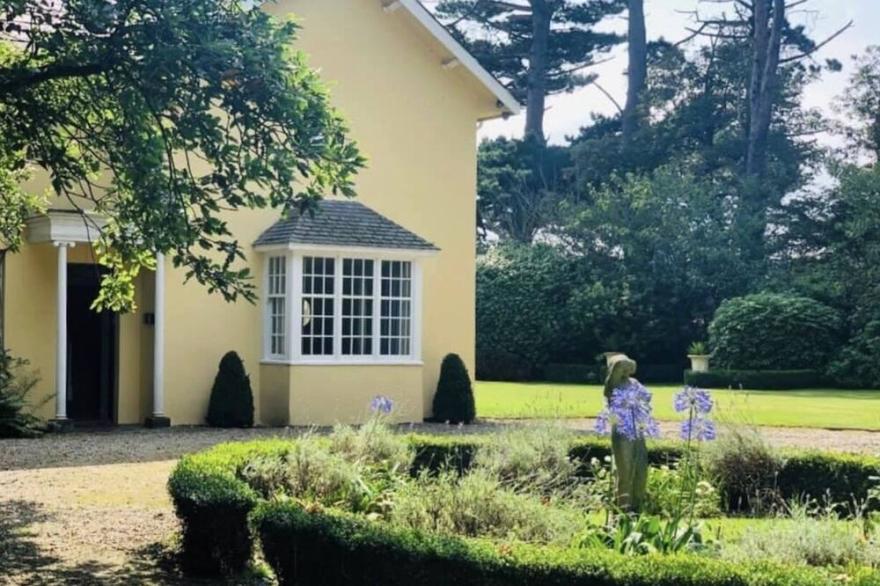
(267,313)
(291,313)
(346,362)
(337,307)
(61,332)
(348,251)
(159,338)
(297,313)
(65,226)
(427,20)
(415,335)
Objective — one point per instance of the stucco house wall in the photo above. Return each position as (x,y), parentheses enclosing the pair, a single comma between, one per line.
(415,121)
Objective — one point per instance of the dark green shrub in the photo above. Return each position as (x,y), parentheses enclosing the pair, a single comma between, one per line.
(232,400)
(15,418)
(213,507)
(298,545)
(755,379)
(454,399)
(858,363)
(767,331)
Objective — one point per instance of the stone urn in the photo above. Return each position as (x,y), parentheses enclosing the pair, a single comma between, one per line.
(699,362)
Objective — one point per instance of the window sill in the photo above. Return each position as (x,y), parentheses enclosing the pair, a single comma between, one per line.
(342,362)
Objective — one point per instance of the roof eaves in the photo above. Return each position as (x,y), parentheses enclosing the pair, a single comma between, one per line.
(505,99)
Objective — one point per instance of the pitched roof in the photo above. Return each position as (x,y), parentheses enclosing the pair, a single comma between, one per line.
(506,101)
(342,223)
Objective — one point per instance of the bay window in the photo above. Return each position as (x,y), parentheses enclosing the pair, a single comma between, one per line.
(341,308)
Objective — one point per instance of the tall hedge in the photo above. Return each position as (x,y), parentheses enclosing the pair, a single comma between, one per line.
(232,400)
(858,363)
(768,331)
(454,399)
(521,293)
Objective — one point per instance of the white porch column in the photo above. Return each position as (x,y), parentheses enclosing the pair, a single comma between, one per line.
(61,333)
(159,341)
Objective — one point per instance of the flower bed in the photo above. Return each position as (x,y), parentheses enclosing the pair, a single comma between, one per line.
(216,493)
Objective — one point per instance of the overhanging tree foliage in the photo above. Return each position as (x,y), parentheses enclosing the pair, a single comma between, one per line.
(163,115)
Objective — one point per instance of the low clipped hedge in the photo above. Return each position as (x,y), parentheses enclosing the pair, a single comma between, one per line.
(213,504)
(324,547)
(770,380)
(572,373)
(595,374)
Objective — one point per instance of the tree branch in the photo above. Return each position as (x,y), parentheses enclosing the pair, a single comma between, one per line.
(799,56)
(11,81)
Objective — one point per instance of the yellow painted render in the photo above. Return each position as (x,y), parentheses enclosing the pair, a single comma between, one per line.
(415,121)
(325,395)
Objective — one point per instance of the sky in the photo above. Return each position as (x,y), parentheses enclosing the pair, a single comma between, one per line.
(668,19)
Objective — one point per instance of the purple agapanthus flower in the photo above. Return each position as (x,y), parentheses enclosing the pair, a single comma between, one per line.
(693,398)
(603,422)
(381,405)
(698,428)
(629,409)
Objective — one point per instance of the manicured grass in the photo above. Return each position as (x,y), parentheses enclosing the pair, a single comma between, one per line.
(823,408)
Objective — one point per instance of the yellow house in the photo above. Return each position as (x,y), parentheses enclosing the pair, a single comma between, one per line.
(364,299)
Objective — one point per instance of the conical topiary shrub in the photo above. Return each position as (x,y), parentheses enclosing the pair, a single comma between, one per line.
(454,399)
(232,401)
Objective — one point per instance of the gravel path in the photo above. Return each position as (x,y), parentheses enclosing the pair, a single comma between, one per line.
(91,507)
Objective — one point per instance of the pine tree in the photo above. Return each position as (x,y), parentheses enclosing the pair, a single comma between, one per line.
(232,401)
(454,399)
(535,47)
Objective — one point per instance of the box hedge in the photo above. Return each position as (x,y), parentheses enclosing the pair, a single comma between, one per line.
(595,374)
(779,380)
(213,503)
(298,544)
(572,373)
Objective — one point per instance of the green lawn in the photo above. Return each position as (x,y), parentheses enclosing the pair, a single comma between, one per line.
(827,408)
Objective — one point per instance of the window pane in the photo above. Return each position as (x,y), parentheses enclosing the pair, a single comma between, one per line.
(357,306)
(396,309)
(318,286)
(276,304)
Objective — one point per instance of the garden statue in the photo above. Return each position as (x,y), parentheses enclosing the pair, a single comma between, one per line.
(627,400)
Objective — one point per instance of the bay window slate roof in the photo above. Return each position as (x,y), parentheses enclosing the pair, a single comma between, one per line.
(342,223)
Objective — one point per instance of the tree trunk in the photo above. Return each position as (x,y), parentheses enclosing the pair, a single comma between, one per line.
(637,71)
(762,86)
(537,77)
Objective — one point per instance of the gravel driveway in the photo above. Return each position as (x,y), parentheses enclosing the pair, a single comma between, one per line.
(91,507)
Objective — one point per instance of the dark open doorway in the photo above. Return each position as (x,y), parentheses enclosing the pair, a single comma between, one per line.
(91,347)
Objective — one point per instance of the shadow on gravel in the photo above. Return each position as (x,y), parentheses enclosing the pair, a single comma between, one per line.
(24,562)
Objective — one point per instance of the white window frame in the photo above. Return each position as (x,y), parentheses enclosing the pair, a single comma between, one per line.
(293,341)
(267,308)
